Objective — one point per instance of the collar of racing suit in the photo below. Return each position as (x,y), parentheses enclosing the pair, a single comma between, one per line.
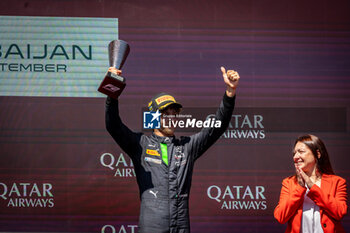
(160,139)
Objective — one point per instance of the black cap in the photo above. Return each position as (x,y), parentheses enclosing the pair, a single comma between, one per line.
(161,101)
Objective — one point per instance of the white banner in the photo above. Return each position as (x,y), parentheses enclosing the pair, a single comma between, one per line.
(54,56)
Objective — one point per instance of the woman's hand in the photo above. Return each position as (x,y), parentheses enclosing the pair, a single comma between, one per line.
(303,178)
(300,179)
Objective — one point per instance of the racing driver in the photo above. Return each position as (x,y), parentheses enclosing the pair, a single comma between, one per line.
(164,163)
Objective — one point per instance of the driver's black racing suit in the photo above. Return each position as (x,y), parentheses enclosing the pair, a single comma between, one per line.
(164,167)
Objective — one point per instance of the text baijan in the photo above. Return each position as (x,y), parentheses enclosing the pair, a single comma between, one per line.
(45,51)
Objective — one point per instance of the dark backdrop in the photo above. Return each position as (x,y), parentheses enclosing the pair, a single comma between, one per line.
(293,58)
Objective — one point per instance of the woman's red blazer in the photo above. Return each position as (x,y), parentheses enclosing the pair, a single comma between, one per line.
(331,198)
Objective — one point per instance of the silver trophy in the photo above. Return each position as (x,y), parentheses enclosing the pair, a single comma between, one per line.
(113,84)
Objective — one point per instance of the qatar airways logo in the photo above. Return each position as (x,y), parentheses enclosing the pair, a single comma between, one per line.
(119,229)
(245,126)
(27,195)
(121,165)
(238,197)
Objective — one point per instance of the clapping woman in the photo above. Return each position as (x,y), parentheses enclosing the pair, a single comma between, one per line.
(314,199)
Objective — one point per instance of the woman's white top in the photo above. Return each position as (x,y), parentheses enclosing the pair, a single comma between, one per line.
(311,219)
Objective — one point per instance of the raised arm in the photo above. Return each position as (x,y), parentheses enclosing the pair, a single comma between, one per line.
(201,141)
(126,139)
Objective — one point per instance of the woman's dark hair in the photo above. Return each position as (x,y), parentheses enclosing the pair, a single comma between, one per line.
(315,144)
